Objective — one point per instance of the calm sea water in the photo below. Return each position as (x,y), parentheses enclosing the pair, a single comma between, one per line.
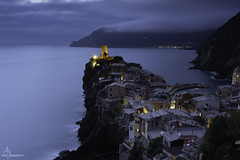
(41,94)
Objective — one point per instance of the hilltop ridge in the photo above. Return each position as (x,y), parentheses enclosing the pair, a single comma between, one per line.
(140,39)
(221,52)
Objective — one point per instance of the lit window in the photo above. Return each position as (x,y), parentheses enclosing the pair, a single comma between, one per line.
(237,76)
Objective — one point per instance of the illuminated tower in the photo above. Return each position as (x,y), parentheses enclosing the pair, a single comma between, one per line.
(104,52)
(236,75)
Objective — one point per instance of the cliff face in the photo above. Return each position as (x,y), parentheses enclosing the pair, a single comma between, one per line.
(100,136)
(127,40)
(221,52)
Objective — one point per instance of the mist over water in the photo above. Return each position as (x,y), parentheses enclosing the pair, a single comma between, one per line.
(41,94)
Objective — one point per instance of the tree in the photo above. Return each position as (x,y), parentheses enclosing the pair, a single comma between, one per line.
(220,137)
(155,147)
(137,152)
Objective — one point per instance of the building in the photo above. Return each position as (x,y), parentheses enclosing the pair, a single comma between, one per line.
(104,54)
(153,123)
(224,91)
(200,102)
(116,90)
(172,144)
(236,75)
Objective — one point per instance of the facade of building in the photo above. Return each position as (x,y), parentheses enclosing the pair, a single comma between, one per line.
(236,75)
(116,90)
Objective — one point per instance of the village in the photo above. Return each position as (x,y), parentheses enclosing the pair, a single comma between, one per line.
(149,108)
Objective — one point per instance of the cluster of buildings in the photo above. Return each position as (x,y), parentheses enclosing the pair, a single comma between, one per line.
(147,110)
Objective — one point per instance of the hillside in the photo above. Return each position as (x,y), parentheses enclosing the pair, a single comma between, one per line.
(221,52)
(140,40)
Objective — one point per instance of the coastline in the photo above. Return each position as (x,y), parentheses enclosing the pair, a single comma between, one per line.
(100,122)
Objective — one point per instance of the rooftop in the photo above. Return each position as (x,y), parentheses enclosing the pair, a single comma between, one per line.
(176,150)
(155,133)
(118,64)
(150,115)
(171,136)
(116,84)
(191,131)
(128,111)
(237,70)
(178,112)
(204,98)
(115,73)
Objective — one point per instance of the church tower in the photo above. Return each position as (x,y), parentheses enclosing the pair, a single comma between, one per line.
(104,54)
(236,75)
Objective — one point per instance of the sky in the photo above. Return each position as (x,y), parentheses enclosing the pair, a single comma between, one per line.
(63,21)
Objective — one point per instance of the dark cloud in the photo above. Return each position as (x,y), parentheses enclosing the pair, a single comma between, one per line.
(62,21)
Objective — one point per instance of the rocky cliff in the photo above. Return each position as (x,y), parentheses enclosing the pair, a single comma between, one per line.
(99,134)
(221,52)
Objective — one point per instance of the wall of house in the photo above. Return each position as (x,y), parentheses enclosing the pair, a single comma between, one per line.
(115,91)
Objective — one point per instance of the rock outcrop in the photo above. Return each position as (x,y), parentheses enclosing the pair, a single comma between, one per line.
(221,52)
(99,134)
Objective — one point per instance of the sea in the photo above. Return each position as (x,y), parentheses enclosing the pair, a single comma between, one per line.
(41,95)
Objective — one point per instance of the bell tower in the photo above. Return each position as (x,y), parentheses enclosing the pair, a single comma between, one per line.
(104,52)
(236,75)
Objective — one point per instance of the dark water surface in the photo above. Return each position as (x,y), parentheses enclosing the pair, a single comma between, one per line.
(41,94)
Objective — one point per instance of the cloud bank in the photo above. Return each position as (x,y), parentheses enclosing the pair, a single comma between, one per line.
(60,22)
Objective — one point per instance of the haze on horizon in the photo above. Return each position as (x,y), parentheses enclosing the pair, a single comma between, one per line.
(62,21)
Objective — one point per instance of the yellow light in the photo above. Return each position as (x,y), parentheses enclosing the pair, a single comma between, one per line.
(94,57)
(94,63)
(237,76)
(172,105)
(145,110)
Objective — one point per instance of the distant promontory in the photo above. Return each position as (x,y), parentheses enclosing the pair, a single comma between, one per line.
(115,39)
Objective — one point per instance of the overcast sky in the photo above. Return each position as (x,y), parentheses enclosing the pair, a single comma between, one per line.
(62,21)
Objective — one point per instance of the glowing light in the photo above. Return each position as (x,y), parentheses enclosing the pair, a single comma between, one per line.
(94,64)
(145,110)
(237,76)
(94,57)
(173,105)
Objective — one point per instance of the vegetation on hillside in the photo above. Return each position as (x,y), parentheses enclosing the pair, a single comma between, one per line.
(220,140)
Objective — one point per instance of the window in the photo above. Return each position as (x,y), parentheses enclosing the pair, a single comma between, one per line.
(110,95)
(131,128)
(110,89)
